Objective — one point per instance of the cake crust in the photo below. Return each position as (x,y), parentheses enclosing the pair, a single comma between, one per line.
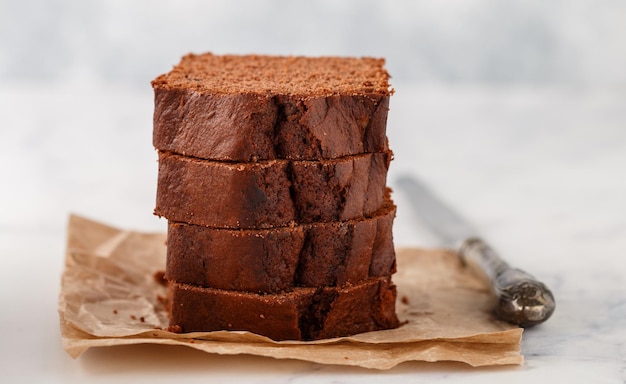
(249,108)
(281,259)
(303,314)
(269,194)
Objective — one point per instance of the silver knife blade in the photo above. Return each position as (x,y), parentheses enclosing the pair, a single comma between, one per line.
(522,299)
(448,226)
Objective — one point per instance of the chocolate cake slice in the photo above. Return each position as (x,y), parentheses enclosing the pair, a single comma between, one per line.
(302,314)
(253,107)
(272,193)
(272,175)
(280,259)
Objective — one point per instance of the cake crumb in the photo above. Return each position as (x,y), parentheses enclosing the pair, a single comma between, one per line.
(159,277)
(404,300)
(115,311)
(133,317)
(142,319)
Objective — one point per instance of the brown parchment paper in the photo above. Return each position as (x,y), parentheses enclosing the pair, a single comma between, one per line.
(109,296)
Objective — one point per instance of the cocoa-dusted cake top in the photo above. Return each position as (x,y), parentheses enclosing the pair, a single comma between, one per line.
(278,75)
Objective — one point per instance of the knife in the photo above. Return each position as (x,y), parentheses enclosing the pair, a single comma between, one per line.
(522,299)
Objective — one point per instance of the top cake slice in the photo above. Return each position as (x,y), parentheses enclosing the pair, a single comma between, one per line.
(248,108)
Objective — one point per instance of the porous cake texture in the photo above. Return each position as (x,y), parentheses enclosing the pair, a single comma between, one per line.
(281,259)
(302,314)
(272,176)
(270,193)
(248,108)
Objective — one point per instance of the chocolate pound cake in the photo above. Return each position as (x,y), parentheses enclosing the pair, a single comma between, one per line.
(249,108)
(280,259)
(272,193)
(303,314)
(272,175)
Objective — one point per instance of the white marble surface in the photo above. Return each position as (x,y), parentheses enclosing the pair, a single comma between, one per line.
(540,172)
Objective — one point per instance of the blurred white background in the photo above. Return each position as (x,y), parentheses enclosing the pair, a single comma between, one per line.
(570,43)
(76,99)
(513,111)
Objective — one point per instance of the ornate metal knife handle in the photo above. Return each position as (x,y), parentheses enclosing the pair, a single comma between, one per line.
(522,299)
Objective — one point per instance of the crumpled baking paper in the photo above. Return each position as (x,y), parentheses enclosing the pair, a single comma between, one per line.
(110,296)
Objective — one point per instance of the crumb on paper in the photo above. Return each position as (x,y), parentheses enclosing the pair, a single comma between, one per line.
(159,277)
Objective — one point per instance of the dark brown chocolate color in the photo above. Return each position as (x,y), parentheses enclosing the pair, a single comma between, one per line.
(248,108)
(271,193)
(273,260)
(303,314)
(272,175)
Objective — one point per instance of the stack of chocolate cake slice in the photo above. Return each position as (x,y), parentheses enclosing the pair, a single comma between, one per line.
(272,176)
